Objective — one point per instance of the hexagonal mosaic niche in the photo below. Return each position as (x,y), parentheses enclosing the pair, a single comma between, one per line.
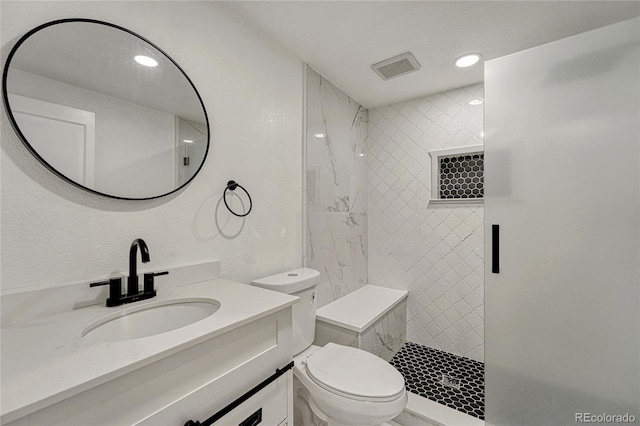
(461,176)
(457,175)
(447,379)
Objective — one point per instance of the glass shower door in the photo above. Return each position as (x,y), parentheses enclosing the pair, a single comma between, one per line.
(562,182)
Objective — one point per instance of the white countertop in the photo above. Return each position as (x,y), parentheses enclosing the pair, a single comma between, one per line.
(45,360)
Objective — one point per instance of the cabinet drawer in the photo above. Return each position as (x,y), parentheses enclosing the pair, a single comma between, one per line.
(273,400)
(269,406)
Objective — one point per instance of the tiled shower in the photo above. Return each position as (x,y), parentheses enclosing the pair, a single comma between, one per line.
(433,251)
(370,220)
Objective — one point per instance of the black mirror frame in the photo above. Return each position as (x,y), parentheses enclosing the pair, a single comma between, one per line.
(26,143)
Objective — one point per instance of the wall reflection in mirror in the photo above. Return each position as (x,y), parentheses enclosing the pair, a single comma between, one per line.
(105,109)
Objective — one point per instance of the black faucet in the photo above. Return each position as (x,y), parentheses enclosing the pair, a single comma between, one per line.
(133,291)
(132,281)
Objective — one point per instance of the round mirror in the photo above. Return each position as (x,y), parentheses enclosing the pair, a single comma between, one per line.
(105,109)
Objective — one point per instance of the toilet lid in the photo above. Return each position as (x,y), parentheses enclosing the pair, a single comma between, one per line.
(354,373)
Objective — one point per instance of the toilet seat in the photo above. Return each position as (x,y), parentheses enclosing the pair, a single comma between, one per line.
(354,374)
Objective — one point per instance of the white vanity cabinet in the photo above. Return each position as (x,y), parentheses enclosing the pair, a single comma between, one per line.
(193,382)
(267,407)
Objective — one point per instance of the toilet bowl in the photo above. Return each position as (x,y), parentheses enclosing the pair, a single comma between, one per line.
(347,386)
(334,385)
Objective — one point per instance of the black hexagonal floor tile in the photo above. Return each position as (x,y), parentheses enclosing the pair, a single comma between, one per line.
(447,379)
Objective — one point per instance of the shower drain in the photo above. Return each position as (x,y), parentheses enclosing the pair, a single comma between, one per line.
(450,382)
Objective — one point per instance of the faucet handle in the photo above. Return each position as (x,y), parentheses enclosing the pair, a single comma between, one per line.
(149,281)
(100,283)
(115,290)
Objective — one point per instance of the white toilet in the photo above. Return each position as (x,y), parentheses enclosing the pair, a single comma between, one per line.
(334,385)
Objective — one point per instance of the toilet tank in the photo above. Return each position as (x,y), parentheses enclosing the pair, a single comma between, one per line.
(301,283)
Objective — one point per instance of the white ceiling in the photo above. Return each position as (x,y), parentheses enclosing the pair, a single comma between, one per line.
(342,39)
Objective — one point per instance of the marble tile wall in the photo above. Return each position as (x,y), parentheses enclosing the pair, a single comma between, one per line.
(330,333)
(336,189)
(433,251)
(388,334)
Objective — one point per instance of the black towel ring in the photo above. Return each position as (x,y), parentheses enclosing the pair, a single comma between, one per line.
(231,186)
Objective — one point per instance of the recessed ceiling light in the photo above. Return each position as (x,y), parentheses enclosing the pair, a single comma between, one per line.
(146,61)
(476,102)
(187,140)
(319,135)
(468,60)
(361,154)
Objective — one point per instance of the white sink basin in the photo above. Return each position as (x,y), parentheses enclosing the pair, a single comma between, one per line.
(149,319)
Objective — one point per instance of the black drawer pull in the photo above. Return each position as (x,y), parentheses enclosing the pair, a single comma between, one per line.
(253,420)
(257,416)
(495,249)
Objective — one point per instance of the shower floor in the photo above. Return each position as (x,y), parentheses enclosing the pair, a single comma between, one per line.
(447,379)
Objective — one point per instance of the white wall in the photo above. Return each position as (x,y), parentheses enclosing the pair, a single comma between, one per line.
(54,233)
(434,252)
(135,145)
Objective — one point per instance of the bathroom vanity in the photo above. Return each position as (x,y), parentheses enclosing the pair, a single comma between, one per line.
(187,348)
(59,368)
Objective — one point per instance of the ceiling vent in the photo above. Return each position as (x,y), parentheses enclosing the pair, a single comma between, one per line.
(396,66)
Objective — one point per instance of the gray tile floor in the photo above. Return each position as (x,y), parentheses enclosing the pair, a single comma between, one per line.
(447,379)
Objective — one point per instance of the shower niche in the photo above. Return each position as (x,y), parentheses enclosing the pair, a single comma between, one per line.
(457,175)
